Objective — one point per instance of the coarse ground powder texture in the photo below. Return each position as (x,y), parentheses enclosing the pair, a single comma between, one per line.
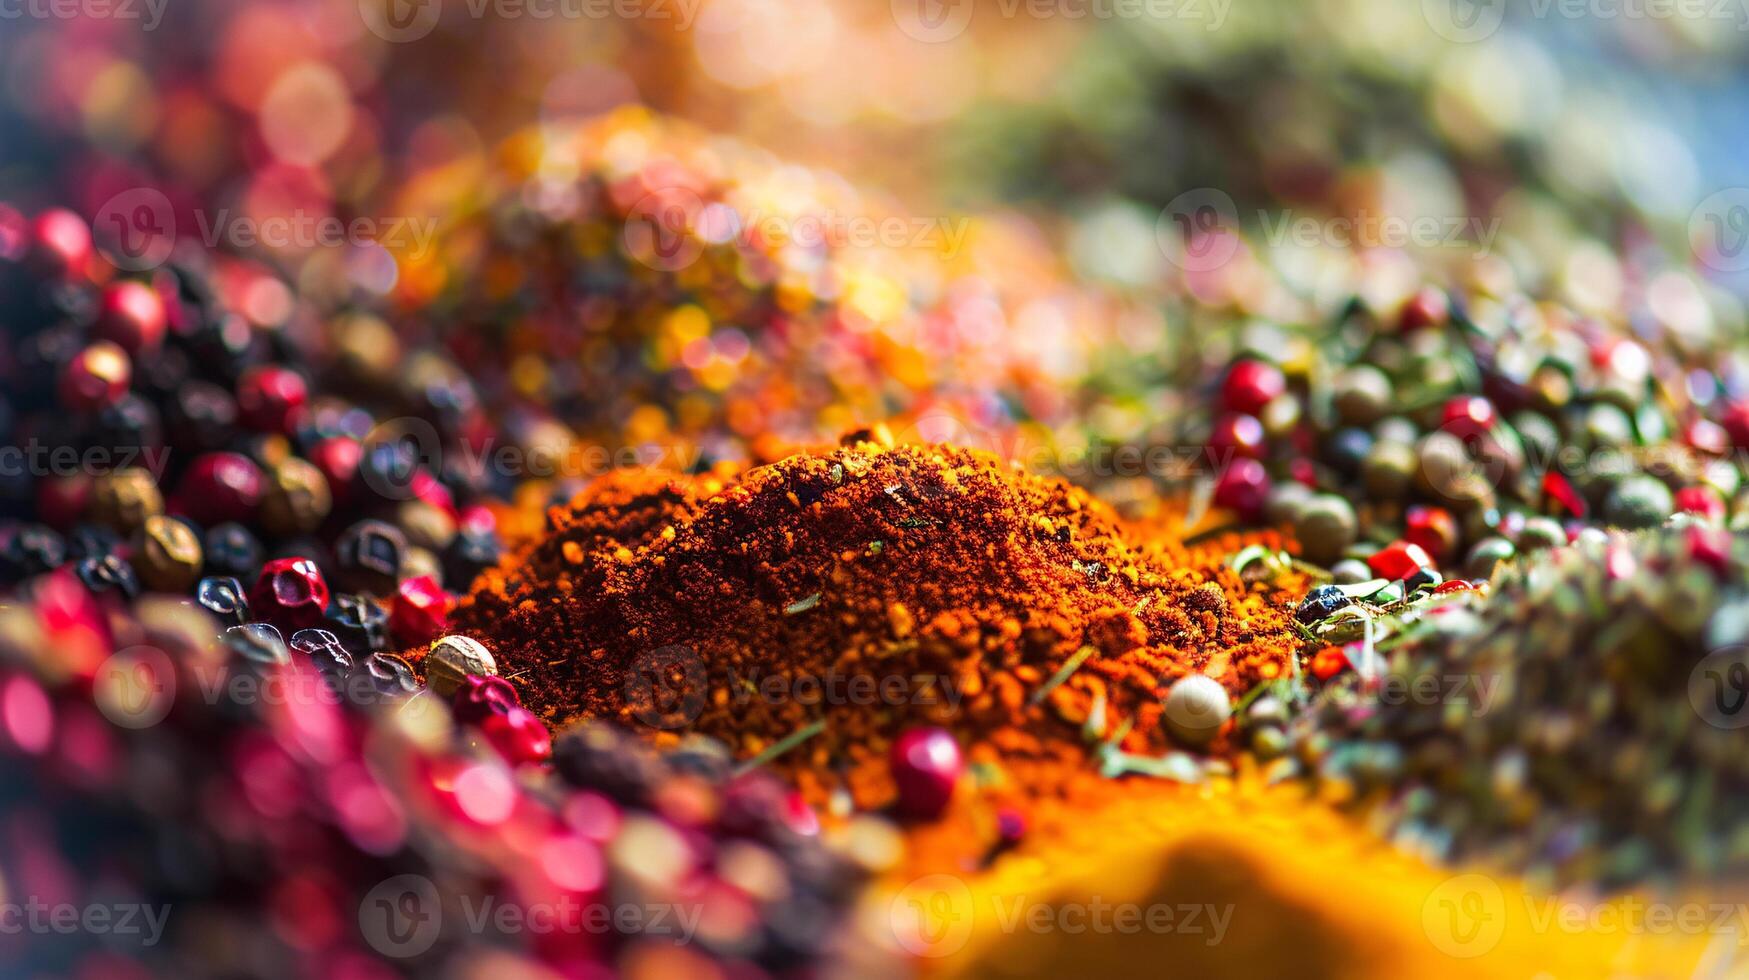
(871,588)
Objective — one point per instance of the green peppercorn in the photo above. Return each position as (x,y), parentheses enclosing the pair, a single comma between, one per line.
(1639,501)
(1350,571)
(1487,554)
(1362,395)
(1540,533)
(1325,527)
(1268,742)
(1284,501)
(1389,469)
(167,555)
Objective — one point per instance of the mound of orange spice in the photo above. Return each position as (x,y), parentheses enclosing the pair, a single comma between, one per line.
(850,594)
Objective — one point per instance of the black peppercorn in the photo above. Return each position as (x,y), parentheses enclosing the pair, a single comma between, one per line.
(91,541)
(368,557)
(231,550)
(1424,578)
(257,643)
(1320,603)
(109,573)
(202,418)
(30,549)
(384,675)
(470,552)
(324,650)
(360,622)
(223,596)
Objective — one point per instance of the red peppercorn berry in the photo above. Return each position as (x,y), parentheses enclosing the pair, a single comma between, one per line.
(1328,662)
(1735,419)
(290,593)
(518,735)
(1236,434)
(96,377)
(926,766)
(133,316)
(1250,385)
(220,487)
(480,696)
(1242,487)
(1433,529)
(1429,307)
(1399,560)
(420,612)
(62,242)
(1711,546)
(1468,417)
(1701,501)
(268,396)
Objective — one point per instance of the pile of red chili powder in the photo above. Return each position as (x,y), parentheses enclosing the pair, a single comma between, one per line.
(850,594)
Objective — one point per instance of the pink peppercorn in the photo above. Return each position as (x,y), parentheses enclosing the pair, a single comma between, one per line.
(1468,417)
(133,316)
(220,487)
(479,697)
(96,377)
(269,396)
(1236,434)
(290,593)
(518,735)
(420,612)
(1242,487)
(1250,385)
(926,766)
(1701,501)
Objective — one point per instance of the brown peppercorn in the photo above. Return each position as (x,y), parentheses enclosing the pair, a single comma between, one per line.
(124,499)
(421,561)
(426,525)
(297,499)
(168,555)
(452,658)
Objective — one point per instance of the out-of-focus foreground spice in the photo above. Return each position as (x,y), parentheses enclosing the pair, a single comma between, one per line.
(870,588)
